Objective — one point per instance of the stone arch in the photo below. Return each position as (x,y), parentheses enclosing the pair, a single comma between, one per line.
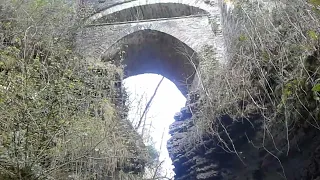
(195,32)
(151,51)
(151,12)
(200,4)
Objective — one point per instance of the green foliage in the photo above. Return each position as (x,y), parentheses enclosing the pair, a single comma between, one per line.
(316,88)
(313,35)
(289,89)
(242,38)
(315,2)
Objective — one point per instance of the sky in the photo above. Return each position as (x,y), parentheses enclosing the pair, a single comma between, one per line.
(165,104)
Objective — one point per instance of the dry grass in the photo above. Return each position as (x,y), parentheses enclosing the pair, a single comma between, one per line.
(268,64)
(272,48)
(61,116)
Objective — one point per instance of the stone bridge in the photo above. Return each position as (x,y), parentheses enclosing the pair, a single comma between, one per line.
(164,37)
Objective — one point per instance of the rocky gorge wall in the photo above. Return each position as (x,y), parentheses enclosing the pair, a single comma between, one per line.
(277,140)
(208,159)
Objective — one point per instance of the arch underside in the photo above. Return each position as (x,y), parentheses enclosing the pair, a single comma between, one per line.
(149,51)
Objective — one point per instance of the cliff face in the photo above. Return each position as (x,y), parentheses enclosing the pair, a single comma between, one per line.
(207,158)
(246,158)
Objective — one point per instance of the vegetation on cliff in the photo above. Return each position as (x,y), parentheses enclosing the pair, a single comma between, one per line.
(272,70)
(61,117)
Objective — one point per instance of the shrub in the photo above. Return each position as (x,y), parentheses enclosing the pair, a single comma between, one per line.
(272,69)
(58,111)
